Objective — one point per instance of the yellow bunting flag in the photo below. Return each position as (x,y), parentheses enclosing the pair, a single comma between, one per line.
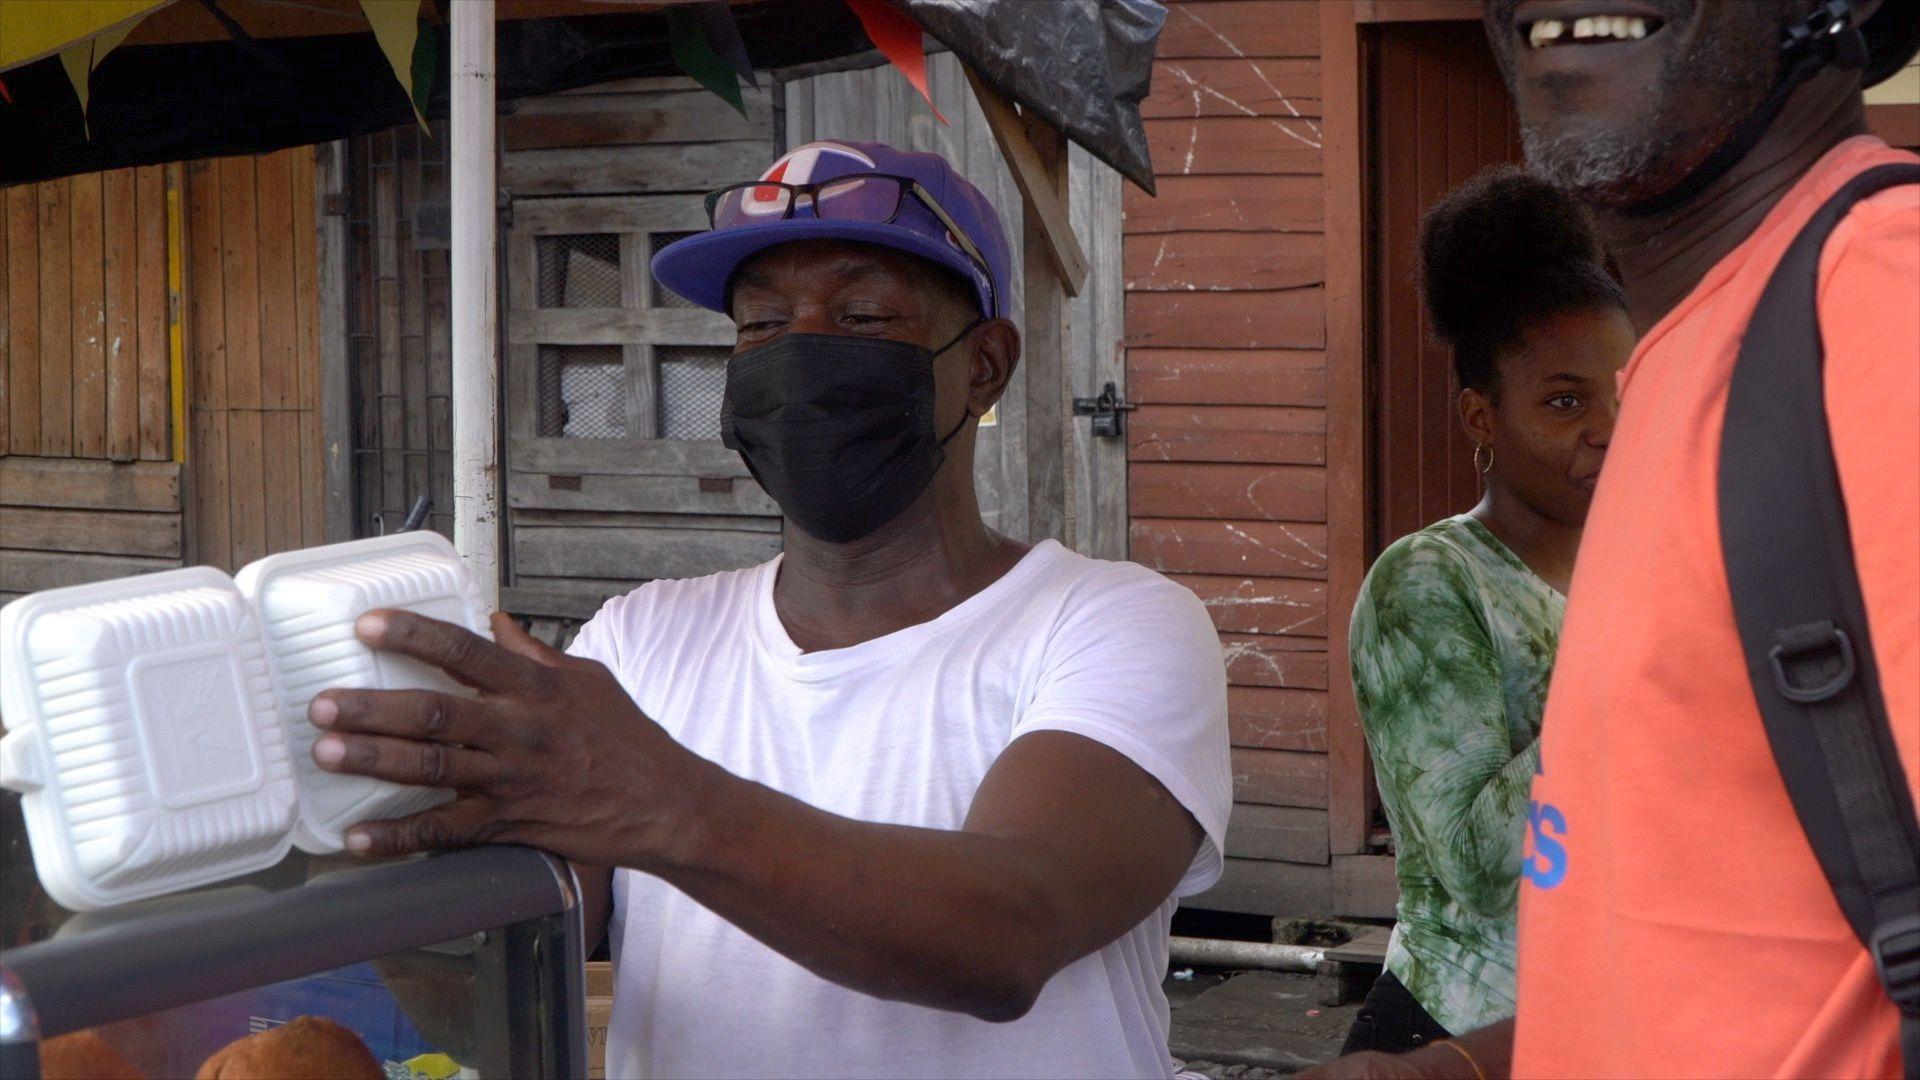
(396,25)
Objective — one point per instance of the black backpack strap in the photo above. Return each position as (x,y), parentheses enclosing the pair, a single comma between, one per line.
(1803,623)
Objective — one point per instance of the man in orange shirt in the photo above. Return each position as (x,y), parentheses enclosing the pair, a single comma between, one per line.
(1674,919)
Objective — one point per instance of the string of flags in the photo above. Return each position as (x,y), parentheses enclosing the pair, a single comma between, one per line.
(703,40)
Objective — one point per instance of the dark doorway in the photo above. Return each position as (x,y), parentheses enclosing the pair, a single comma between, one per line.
(1436,113)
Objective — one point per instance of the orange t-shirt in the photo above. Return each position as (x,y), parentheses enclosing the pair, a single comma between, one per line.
(1673,920)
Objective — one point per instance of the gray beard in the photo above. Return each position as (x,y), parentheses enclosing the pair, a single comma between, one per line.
(1608,168)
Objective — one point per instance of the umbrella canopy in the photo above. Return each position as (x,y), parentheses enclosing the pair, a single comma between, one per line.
(199,78)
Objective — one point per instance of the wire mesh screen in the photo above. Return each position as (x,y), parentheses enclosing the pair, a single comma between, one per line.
(693,379)
(580,271)
(583,391)
(664,297)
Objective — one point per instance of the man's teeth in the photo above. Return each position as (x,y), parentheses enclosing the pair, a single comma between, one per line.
(1612,27)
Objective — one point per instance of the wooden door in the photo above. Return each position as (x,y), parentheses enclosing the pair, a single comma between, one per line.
(877,105)
(1436,114)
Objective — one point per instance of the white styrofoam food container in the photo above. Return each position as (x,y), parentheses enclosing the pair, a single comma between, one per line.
(143,733)
(308,601)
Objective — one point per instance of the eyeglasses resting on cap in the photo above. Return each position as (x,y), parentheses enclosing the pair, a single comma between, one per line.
(875,198)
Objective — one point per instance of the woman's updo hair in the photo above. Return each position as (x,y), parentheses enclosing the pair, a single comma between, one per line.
(1498,254)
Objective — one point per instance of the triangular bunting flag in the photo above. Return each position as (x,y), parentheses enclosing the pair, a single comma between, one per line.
(723,35)
(79,60)
(899,39)
(396,26)
(697,58)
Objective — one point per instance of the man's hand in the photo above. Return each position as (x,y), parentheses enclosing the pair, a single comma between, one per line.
(551,752)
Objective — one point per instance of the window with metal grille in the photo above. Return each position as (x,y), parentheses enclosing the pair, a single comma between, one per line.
(693,379)
(583,391)
(580,271)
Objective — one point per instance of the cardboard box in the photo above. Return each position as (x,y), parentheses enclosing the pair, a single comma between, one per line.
(599,1013)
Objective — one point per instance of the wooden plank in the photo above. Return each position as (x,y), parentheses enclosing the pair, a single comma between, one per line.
(560,600)
(1227,203)
(1240,28)
(89,316)
(31,571)
(1261,605)
(92,531)
(152,348)
(281,492)
(603,518)
(1259,548)
(1277,436)
(1285,319)
(1036,155)
(1097,464)
(1364,886)
(1219,490)
(120,306)
(1227,376)
(618,326)
(1223,262)
(607,213)
(331,357)
(1234,145)
(1279,777)
(279,358)
(23,319)
(56,320)
(248,474)
(1277,718)
(1350,802)
(626,457)
(1264,887)
(1289,663)
(240,252)
(681,116)
(1278,833)
(1283,89)
(641,494)
(205,291)
(210,525)
(306,321)
(1373,11)
(680,167)
(637,553)
(90,485)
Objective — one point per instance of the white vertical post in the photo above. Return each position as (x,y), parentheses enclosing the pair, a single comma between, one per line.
(476,477)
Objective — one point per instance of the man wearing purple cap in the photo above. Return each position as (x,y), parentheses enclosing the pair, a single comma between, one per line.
(912,799)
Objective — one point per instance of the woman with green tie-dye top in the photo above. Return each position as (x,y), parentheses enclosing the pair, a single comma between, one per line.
(1455,630)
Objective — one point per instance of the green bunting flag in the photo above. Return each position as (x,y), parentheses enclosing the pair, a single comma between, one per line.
(696,56)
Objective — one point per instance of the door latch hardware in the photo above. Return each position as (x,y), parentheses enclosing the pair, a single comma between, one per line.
(1108,411)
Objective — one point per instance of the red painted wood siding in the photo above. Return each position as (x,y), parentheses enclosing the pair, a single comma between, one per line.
(1225,330)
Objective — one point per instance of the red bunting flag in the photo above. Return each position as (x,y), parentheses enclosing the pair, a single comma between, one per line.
(899,39)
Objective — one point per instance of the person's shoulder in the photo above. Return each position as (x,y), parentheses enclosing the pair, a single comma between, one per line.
(1890,216)
(1086,581)
(1437,553)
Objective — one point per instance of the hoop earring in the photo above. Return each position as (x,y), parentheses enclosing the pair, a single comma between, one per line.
(1484,465)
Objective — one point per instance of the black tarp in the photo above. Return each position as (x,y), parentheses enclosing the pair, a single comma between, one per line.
(156,103)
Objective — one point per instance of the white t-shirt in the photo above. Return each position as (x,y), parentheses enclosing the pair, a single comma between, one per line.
(901,730)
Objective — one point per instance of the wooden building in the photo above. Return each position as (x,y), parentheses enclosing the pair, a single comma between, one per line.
(209,362)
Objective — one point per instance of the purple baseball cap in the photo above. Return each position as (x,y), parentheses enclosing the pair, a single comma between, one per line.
(701,267)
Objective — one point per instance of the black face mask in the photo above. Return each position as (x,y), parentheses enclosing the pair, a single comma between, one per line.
(839,430)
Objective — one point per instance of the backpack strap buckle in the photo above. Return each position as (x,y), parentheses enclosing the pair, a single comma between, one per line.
(1896,953)
(1812,662)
